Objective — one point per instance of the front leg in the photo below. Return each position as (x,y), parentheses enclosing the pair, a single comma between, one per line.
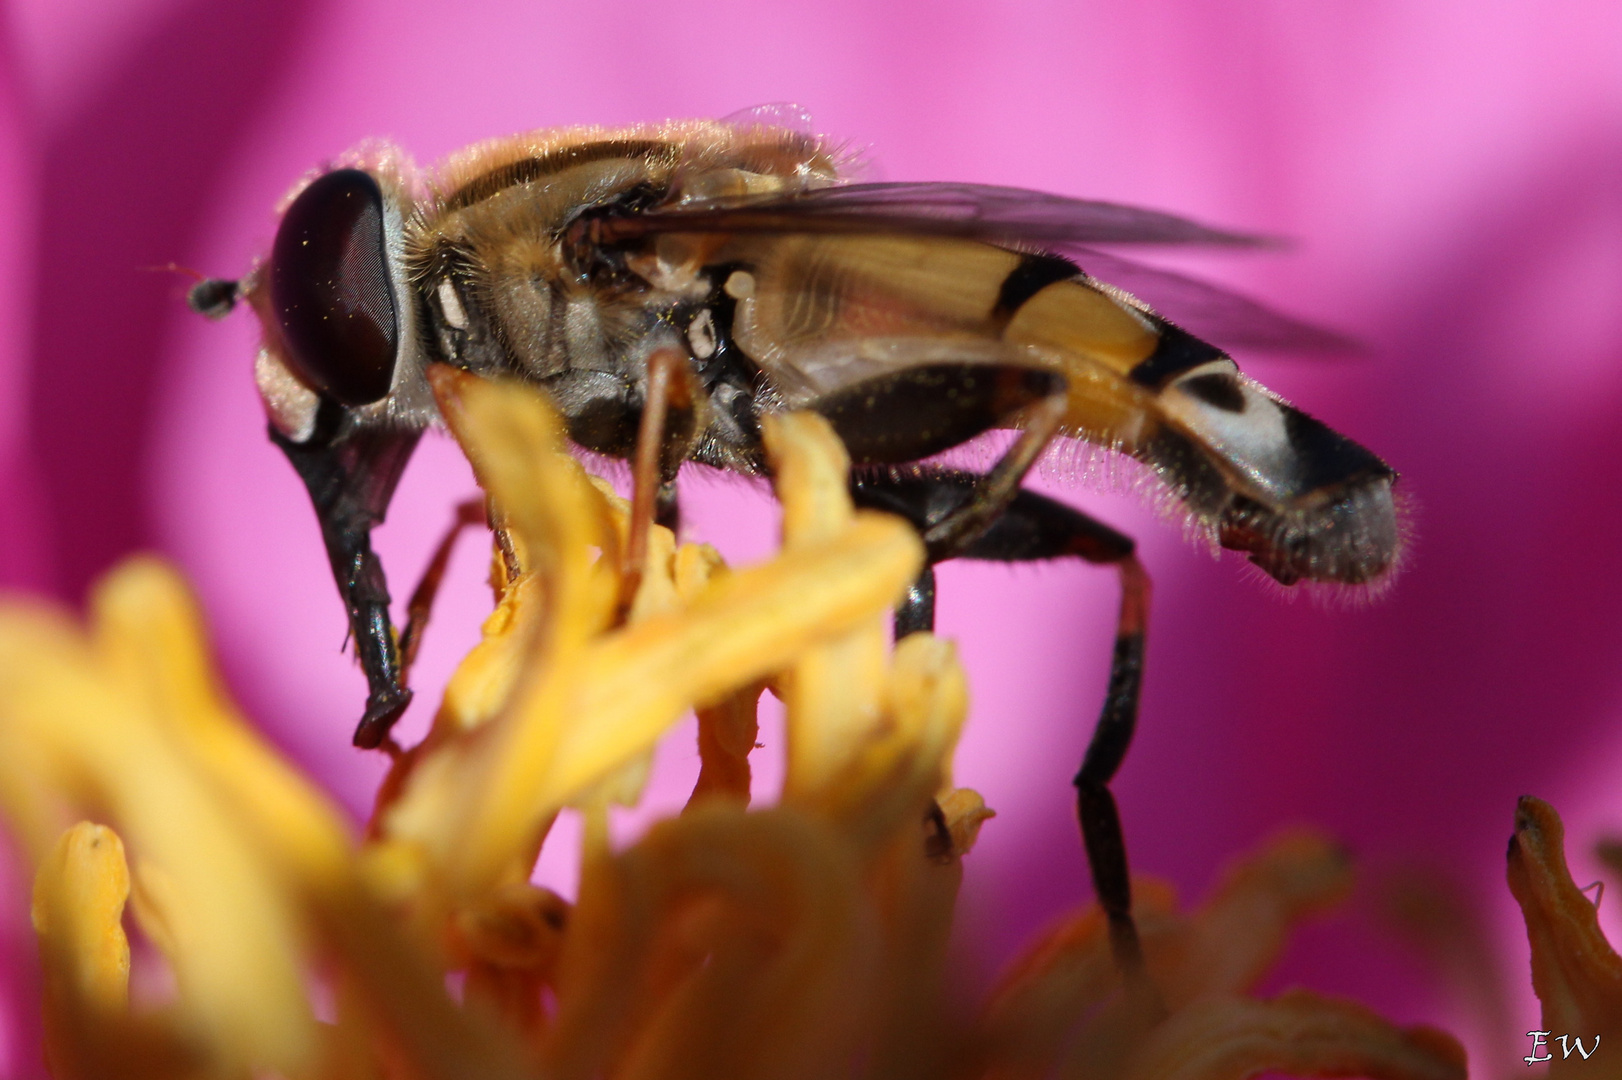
(351,477)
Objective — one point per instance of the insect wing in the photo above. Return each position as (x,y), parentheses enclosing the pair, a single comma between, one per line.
(987,212)
(1019,218)
(1212,312)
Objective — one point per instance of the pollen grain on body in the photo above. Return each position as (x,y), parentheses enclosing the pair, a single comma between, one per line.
(805,939)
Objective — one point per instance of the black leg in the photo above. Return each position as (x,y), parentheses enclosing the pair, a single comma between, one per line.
(991,496)
(1095,805)
(667,507)
(917,609)
(938,847)
(351,477)
(944,405)
(1032,528)
(916,614)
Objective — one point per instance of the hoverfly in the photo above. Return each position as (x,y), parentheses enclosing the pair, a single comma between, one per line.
(668,285)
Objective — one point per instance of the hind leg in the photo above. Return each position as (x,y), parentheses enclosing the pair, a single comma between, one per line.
(1033,528)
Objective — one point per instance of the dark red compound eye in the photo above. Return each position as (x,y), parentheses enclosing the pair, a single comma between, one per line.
(329,285)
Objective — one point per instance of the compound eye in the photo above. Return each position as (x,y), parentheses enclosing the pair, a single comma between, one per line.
(329,286)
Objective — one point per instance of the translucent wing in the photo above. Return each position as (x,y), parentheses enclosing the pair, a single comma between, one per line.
(1012,217)
(999,215)
(1212,312)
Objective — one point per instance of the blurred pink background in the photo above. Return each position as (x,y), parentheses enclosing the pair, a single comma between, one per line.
(1452,171)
